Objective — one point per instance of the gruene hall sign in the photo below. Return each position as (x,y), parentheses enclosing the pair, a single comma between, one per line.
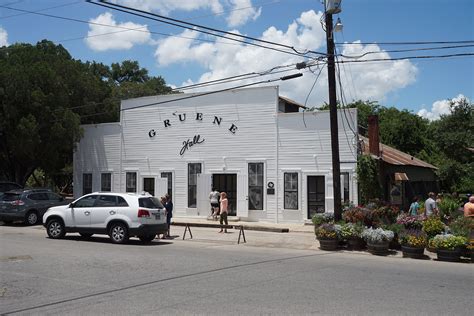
(196,139)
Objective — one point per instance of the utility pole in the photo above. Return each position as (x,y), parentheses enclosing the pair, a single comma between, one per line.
(336,169)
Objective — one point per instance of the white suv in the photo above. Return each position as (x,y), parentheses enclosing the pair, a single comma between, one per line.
(119,215)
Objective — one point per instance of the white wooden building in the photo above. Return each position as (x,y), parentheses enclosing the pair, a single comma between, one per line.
(273,161)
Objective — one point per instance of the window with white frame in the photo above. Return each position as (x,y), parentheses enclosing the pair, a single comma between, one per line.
(86,183)
(106,182)
(193,170)
(291,190)
(345,186)
(255,185)
(131,182)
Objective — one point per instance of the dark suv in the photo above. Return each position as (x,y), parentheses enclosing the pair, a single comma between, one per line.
(27,205)
(7,186)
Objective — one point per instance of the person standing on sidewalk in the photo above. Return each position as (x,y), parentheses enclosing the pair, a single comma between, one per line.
(169,214)
(224,206)
(214,198)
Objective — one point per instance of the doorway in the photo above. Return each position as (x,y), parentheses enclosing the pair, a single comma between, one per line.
(316,195)
(149,185)
(227,182)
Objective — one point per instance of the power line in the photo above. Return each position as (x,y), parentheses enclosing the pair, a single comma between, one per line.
(201,28)
(405,50)
(405,58)
(407,43)
(296,75)
(45,9)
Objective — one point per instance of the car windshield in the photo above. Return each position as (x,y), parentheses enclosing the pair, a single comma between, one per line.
(150,202)
(10,197)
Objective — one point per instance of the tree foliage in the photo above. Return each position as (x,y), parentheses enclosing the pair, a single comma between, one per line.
(45,95)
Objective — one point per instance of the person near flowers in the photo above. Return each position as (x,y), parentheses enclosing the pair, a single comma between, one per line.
(414,207)
(469,207)
(430,205)
(224,210)
(169,214)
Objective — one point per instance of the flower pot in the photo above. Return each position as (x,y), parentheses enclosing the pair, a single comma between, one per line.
(394,244)
(413,252)
(355,243)
(380,249)
(328,244)
(449,255)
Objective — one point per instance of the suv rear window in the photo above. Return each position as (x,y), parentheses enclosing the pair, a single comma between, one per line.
(150,202)
(10,197)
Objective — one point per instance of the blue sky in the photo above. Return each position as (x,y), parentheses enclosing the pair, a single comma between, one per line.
(419,85)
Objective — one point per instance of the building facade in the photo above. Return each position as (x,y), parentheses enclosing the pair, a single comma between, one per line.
(273,161)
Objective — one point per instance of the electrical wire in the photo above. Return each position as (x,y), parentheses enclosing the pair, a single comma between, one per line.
(45,9)
(405,50)
(406,58)
(407,43)
(199,28)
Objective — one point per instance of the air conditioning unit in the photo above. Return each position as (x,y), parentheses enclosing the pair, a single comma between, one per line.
(333,6)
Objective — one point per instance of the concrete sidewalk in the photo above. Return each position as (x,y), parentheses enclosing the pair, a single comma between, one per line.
(260,234)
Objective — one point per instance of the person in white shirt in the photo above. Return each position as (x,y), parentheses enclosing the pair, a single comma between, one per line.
(214,198)
(430,205)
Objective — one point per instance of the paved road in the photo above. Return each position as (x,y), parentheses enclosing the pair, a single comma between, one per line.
(214,277)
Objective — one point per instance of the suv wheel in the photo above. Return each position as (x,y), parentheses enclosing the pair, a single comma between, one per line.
(31,218)
(147,238)
(55,229)
(118,233)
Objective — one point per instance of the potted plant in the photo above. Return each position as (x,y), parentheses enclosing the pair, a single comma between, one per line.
(328,236)
(413,243)
(352,233)
(396,229)
(410,221)
(433,226)
(356,214)
(448,247)
(322,218)
(377,240)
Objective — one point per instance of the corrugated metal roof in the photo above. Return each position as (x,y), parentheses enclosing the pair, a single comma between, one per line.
(394,156)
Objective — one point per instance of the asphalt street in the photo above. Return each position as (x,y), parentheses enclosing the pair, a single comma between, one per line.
(216,276)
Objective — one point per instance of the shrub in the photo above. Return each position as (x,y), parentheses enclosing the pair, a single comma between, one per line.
(327,231)
(409,221)
(322,218)
(377,236)
(433,226)
(384,215)
(351,230)
(448,242)
(413,238)
(356,215)
(462,226)
(448,208)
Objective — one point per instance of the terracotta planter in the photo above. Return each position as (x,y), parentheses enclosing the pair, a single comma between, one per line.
(449,255)
(378,249)
(328,244)
(413,252)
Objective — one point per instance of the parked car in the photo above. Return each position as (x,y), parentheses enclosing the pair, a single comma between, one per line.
(27,205)
(119,215)
(8,186)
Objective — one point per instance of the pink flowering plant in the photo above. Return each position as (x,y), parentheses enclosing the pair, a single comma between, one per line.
(410,221)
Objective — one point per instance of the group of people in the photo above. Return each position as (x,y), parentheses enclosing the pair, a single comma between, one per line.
(219,207)
(432,202)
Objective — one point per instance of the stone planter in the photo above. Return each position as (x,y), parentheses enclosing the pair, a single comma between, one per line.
(378,249)
(328,244)
(355,243)
(449,255)
(413,252)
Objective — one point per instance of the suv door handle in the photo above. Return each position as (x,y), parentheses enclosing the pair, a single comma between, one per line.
(87,213)
(112,212)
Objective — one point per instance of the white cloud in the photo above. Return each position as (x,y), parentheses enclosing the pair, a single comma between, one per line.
(166,6)
(242,11)
(440,107)
(3,37)
(120,37)
(223,58)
